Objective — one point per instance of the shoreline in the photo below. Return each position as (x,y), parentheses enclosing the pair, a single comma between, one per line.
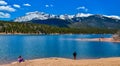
(41,33)
(98,39)
(114,61)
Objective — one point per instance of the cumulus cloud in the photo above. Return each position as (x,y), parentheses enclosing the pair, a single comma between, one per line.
(3,2)
(7,8)
(26,4)
(51,5)
(17,6)
(48,5)
(4,15)
(82,8)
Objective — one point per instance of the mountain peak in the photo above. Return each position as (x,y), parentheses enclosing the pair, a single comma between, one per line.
(113,17)
(83,15)
(44,16)
(32,16)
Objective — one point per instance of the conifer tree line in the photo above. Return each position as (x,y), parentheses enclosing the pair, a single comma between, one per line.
(15,27)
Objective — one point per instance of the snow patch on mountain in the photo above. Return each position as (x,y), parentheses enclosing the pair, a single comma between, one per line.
(33,15)
(66,16)
(83,15)
(112,16)
(43,16)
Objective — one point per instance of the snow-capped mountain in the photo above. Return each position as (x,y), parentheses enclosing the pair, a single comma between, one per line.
(34,16)
(79,20)
(64,17)
(112,16)
(43,16)
(82,15)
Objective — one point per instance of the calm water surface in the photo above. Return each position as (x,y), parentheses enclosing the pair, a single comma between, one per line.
(45,46)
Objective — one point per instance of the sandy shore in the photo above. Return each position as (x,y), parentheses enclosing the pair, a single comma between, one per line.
(68,62)
(98,39)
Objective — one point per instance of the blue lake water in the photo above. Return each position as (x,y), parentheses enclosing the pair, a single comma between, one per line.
(45,46)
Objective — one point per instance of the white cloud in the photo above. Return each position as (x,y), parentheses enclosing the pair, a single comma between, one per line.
(26,4)
(4,15)
(7,8)
(3,2)
(48,5)
(51,5)
(82,8)
(86,10)
(17,6)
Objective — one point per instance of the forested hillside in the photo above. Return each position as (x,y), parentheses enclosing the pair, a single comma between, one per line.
(29,28)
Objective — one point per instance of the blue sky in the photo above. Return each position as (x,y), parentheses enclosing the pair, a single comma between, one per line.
(10,9)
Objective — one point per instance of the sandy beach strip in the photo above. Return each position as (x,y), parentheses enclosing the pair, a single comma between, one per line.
(68,62)
(98,39)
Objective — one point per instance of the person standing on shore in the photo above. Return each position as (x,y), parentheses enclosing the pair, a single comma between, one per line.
(74,55)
